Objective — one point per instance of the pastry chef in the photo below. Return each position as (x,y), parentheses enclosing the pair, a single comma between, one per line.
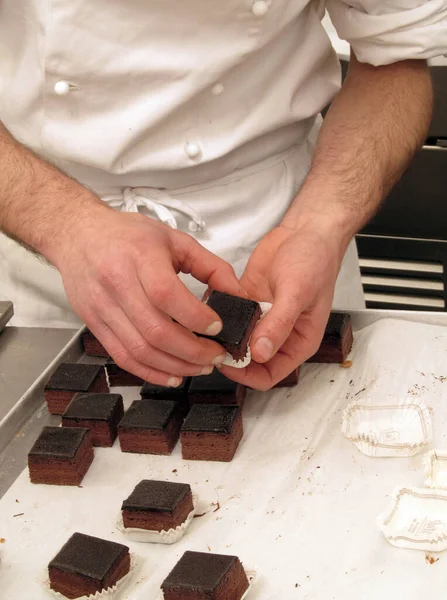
(204,116)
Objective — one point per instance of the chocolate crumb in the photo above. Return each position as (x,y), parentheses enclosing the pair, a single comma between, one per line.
(217,507)
(2,540)
(174,470)
(199,515)
(429,559)
(18,515)
(346,364)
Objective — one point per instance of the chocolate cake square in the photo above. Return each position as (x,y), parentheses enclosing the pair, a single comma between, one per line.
(86,565)
(151,391)
(337,340)
(290,381)
(60,456)
(70,379)
(151,427)
(100,413)
(157,505)
(239,317)
(92,346)
(215,389)
(211,432)
(119,377)
(200,575)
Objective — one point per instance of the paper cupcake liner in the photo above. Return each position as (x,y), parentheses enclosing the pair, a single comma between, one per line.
(252,576)
(389,430)
(416,519)
(435,463)
(171,536)
(113,593)
(244,362)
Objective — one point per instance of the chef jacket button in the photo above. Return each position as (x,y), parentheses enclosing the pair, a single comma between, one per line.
(62,88)
(217,89)
(260,8)
(192,150)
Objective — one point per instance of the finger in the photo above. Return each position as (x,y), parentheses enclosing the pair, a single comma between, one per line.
(208,268)
(160,332)
(142,351)
(274,329)
(124,360)
(168,293)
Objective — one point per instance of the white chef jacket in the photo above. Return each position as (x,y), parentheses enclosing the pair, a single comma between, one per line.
(212,103)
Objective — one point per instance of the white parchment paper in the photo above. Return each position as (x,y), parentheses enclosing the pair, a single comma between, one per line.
(299,501)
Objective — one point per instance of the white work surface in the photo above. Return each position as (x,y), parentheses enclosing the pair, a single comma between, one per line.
(299,502)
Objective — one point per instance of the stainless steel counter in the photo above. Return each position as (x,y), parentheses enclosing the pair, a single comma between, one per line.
(27,356)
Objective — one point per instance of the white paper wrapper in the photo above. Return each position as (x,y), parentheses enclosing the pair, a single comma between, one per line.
(113,593)
(388,430)
(435,463)
(156,537)
(241,364)
(252,576)
(416,519)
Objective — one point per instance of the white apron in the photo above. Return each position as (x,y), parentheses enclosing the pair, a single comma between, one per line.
(153,103)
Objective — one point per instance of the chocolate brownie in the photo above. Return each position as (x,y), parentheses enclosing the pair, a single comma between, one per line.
(151,427)
(151,391)
(239,317)
(211,432)
(119,377)
(70,379)
(60,456)
(157,505)
(92,346)
(100,413)
(200,575)
(215,389)
(291,380)
(86,565)
(337,340)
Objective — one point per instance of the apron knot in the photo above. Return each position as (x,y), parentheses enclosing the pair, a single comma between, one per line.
(158,202)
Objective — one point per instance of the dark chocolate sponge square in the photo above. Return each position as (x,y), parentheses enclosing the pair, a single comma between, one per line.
(70,379)
(157,505)
(215,389)
(74,377)
(159,496)
(119,377)
(61,442)
(86,565)
(205,575)
(239,317)
(151,426)
(100,413)
(211,418)
(151,391)
(94,407)
(337,340)
(60,456)
(148,415)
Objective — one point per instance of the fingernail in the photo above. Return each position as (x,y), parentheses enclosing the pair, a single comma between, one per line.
(214,328)
(264,349)
(218,361)
(174,381)
(207,370)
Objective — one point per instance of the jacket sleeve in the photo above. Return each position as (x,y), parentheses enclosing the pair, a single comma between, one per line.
(386,31)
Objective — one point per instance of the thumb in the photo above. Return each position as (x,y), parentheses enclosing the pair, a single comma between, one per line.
(275,328)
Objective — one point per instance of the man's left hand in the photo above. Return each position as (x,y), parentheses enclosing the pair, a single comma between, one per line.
(294,268)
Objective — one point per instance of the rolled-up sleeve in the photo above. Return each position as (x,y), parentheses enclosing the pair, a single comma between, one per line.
(386,31)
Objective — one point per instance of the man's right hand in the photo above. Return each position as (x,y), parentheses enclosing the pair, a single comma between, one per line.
(120,275)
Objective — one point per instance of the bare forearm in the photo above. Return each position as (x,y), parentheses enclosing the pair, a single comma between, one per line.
(369,136)
(38,203)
